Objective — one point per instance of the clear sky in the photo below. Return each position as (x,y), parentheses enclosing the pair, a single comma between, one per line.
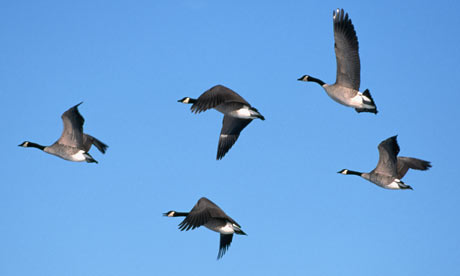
(130,61)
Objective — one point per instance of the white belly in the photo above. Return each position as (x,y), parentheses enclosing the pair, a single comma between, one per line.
(393,185)
(347,96)
(218,227)
(242,113)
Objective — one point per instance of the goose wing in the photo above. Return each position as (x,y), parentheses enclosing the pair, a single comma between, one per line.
(215,96)
(388,151)
(346,51)
(225,241)
(406,163)
(201,213)
(89,140)
(231,128)
(72,135)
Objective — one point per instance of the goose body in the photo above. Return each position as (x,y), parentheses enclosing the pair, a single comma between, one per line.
(238,113)
(73,145)
(206,213)
(346,88)
(390,168)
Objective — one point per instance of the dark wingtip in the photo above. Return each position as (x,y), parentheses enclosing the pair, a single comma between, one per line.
(428,165)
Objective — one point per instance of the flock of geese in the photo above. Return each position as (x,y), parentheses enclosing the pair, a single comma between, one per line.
(74,145)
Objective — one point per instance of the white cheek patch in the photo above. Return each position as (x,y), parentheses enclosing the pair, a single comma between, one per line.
(171,214)
(344,172)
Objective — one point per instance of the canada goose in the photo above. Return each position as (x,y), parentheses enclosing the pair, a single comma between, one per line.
(73,145)
(390,168)
(238,113)
(345,90)
(207,213)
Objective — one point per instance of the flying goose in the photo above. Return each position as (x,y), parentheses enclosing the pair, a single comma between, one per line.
(206,213)
(73,145)
(238,113)
(390,168)
(345,90)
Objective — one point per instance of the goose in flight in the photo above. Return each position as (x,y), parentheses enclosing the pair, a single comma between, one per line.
(345,90)
(207,213)
(73,145)
(391,168)
(238,113)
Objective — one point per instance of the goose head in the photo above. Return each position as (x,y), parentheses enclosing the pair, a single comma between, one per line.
(24,144)
(304,78)
(185,100)
(169,214)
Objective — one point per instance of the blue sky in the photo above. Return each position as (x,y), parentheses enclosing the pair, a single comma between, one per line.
(131,61)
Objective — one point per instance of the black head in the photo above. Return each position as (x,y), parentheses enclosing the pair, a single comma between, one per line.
(304,78)
(344,171)
(184,100)
(24,144)
(169,214)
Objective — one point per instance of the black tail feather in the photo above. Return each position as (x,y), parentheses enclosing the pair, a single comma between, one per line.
(89,158)
(371,110)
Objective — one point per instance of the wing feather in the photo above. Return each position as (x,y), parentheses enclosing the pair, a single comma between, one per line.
(201,213)
(215,96)
(231,128)
(406,163)
(72,134)
(346,51)
(388,151)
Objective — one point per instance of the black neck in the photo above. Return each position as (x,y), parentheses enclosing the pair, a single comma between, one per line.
(192,101)
(354,172)
(318,81)
(34,145)
(180,214)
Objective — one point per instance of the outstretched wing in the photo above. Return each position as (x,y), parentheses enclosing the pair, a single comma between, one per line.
(231,128)
(72,135)
(388,150)
(346,51)
(201,213)
(89,140)
(225,241)
(215,96)
(406,163)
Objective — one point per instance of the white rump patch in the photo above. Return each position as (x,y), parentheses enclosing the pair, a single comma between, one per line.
(227,229)
(79,156)
(394,185)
